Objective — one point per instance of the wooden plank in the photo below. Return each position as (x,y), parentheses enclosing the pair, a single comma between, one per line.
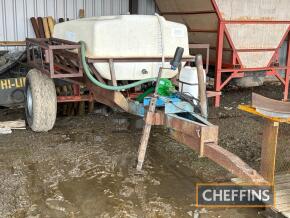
(201,86)
(279,182)
(283,177)
(12,43)
(283,192)
(82,13)
(283,207)
(148,125)
(269,147)
(286,213)
(282,197)
(46,27)
(40,27)
(146,134)
(282,187)
(35,27)
(51,24)
(17,124)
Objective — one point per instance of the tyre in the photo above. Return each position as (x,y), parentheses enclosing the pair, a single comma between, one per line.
(40,101)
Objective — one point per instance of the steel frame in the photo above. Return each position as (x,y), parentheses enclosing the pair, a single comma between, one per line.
(57,61)
(237,70)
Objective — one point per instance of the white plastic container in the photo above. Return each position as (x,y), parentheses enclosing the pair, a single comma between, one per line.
(127,36)
(189,76)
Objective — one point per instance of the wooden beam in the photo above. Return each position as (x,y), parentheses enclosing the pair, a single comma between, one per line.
(17,124)
(12,43)
(269,147)
(222,157)
(201,85)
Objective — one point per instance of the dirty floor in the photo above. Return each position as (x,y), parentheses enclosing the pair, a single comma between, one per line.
(85,166)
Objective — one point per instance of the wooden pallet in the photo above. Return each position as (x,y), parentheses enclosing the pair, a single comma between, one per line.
(282,186)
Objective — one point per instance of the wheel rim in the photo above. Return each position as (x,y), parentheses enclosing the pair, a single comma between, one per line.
(29,105)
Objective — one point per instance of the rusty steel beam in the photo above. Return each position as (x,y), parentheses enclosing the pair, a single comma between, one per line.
(187,12)
(232,163)
(62,63)
(107,97)
(77,98)
(135,59)
(222,157)
(203,138)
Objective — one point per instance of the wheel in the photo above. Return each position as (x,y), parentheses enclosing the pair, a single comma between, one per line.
(40,101)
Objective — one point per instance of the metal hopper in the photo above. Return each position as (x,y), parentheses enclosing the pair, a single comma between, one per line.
(245,35)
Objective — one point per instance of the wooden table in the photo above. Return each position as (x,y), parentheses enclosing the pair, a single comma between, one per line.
(268,160)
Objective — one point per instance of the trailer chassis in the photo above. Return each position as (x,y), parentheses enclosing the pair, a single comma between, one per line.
(57,60)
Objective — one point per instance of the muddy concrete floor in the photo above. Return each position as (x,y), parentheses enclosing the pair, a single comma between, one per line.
(85,166)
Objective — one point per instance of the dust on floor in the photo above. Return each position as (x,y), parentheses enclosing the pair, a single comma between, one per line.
(85,166)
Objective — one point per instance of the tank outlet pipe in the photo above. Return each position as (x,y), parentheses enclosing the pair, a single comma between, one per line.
(177,58)
(102,85)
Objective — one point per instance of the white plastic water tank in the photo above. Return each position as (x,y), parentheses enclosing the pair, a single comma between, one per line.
(127,36)
(189,82)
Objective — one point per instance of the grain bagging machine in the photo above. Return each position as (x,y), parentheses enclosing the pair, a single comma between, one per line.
(245,36)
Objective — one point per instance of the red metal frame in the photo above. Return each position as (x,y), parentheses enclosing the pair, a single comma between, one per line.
(54,62)
(238,70)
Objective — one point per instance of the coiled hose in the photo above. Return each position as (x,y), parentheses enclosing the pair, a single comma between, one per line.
(105,86)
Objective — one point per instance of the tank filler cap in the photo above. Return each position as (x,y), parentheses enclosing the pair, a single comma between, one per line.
(144,71)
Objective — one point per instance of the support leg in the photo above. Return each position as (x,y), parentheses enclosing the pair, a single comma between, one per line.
(201,86)
(219,54)
(146,134)
(287,73)
(269,147)
(148,125)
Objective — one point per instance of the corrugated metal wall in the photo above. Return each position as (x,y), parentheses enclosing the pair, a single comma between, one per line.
(146,7)
(15,14)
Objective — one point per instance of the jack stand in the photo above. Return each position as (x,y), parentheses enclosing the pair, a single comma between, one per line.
(148,125)
(151,111)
